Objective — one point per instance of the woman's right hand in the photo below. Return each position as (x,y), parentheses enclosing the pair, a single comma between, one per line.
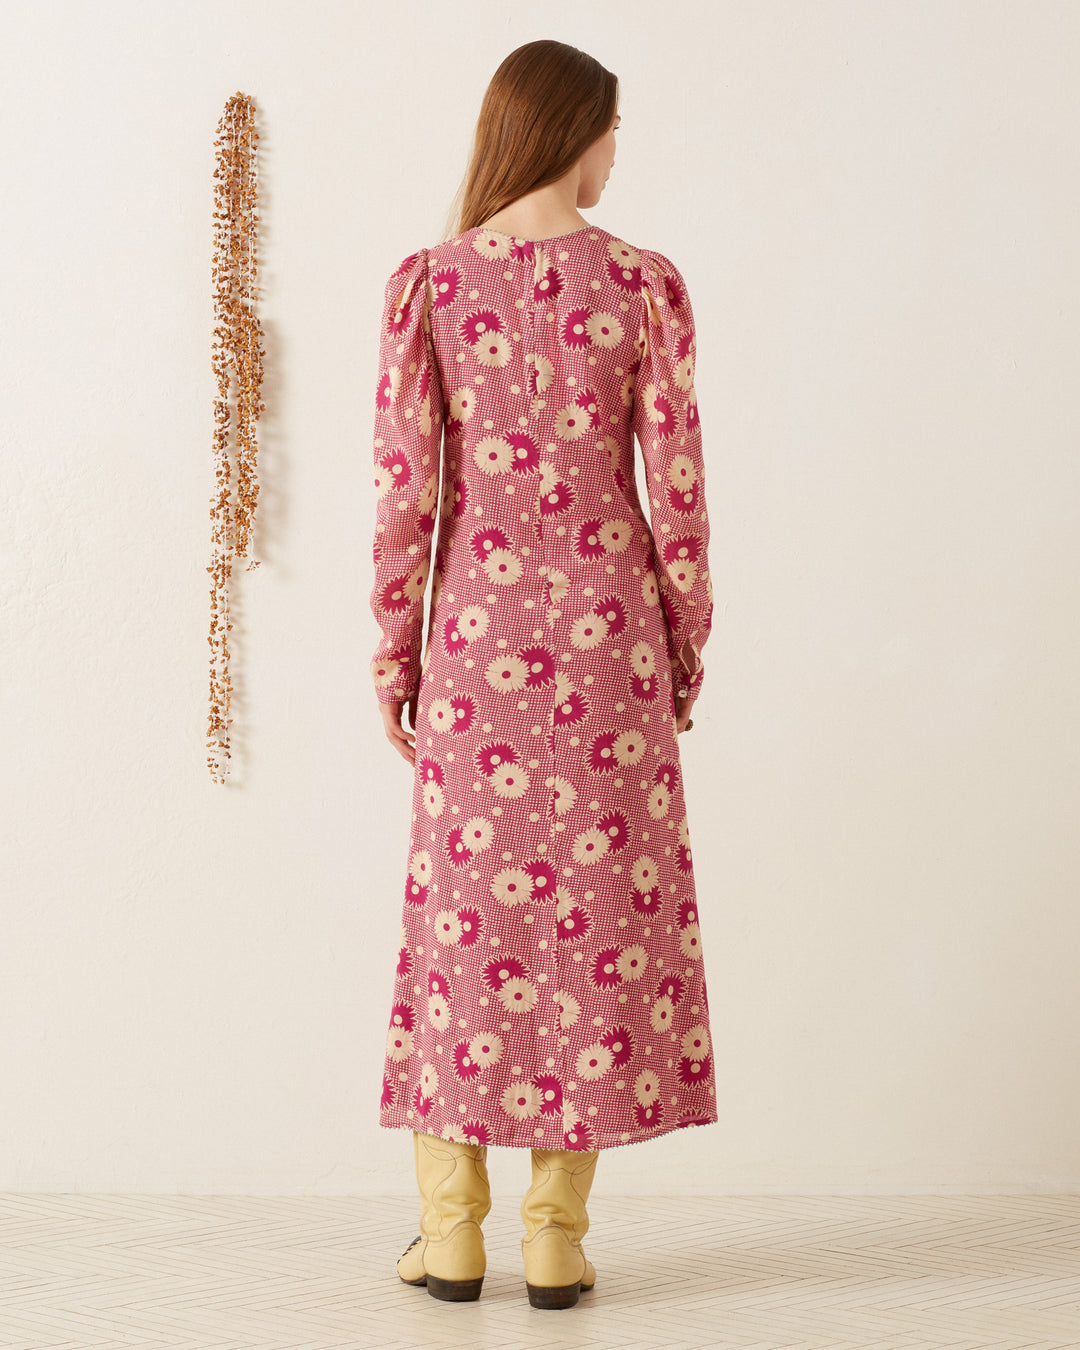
(683,709)
(404,742)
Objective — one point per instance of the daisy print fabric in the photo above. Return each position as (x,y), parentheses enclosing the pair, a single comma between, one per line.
(550,985)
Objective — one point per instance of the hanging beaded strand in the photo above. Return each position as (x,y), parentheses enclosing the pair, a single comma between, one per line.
(237,354)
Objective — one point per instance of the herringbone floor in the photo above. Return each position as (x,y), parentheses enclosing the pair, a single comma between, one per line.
(100,1272)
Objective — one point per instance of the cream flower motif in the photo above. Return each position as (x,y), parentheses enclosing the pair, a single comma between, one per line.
(604,329)
(447,927)
(623,255)
(428,497)
(565,794)
(650,588)
(429,1080)
(615,535)
(646,1087)
(510,780)
(658,801)
(473,622)
(682,473)
(572,422)
(643,658)
(564,901)
(591,845)
(521,1100)
(593,1061)
(683,573)
(558,585)
(628,747)
(492,350)
(690,940)
(414,583)
(683,374)
(440,714)
(462,404)
(512,886)
(438,1010)
(507,674)
(434,800)
(662,1011)
(486,1049)
(477,834)
(588,631)
(503,566)
(420,866)
(399,1044)
(632,962)
(518,994)
(493,455)
(684,832)
(569,1008)
(643,874)
(385,673)
(695,1043)
(491,245)
(545,372)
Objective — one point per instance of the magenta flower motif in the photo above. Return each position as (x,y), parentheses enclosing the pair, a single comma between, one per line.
(588,402)
(559,497)
(573,708)
(646,902)
(667,773)
(644,688)
(393,596)
(672,987)
(453,641)
(627,279)
(460,490)
(575,331)
(551,1093)
(526,451)
(431,771)
(403,1015)
(613,609)
(464,1066)
(456,850)
(415,892)
(601,756)
(483,541)
(479,324)
(614,824)
(683,861)
(694,1070)
(437,983)
(549,286)
(692,417)
(383,393)
(472,925)
(421,1105)
(621,1044)
(464,706)
(405,962)
(492,754)
(653,1114)
(500,969)
(663,416)
(398,468)
(445,286)
(543,877)
(685,913)
(675,293)
(476,1132)
(588,543)
(387,1098)
(579,1136)
(575,924)
(605,968)
(687,548)
(541,663)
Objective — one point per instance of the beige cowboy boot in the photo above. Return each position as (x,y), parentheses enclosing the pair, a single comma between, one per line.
(455,1198)
(556,1268)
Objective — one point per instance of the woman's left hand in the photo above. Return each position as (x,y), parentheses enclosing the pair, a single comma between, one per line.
(404,742)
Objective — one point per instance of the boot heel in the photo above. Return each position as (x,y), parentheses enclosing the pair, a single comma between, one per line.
(558,1296)
(454,1291)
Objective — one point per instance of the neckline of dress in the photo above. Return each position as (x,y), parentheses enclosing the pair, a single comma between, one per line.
(488,229)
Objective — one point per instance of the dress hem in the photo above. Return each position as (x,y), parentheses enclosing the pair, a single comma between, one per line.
(600,1145)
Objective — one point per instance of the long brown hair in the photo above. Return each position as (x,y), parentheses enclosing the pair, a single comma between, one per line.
(545,105)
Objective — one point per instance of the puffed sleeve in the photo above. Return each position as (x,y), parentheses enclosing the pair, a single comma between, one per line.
(407,441)
(665,420)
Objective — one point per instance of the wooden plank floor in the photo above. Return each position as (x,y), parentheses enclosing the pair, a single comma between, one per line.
(98,1272)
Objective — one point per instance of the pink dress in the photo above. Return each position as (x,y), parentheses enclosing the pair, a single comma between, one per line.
(550,989)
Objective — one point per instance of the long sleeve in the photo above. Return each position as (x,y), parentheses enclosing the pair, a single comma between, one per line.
(407,440)
(665,420)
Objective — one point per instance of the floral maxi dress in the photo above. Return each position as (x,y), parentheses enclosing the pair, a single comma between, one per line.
(550,989)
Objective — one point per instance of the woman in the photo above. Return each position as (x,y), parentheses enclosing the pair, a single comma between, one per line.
(550,993)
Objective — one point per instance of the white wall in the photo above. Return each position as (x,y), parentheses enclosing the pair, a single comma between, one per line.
(875,206)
